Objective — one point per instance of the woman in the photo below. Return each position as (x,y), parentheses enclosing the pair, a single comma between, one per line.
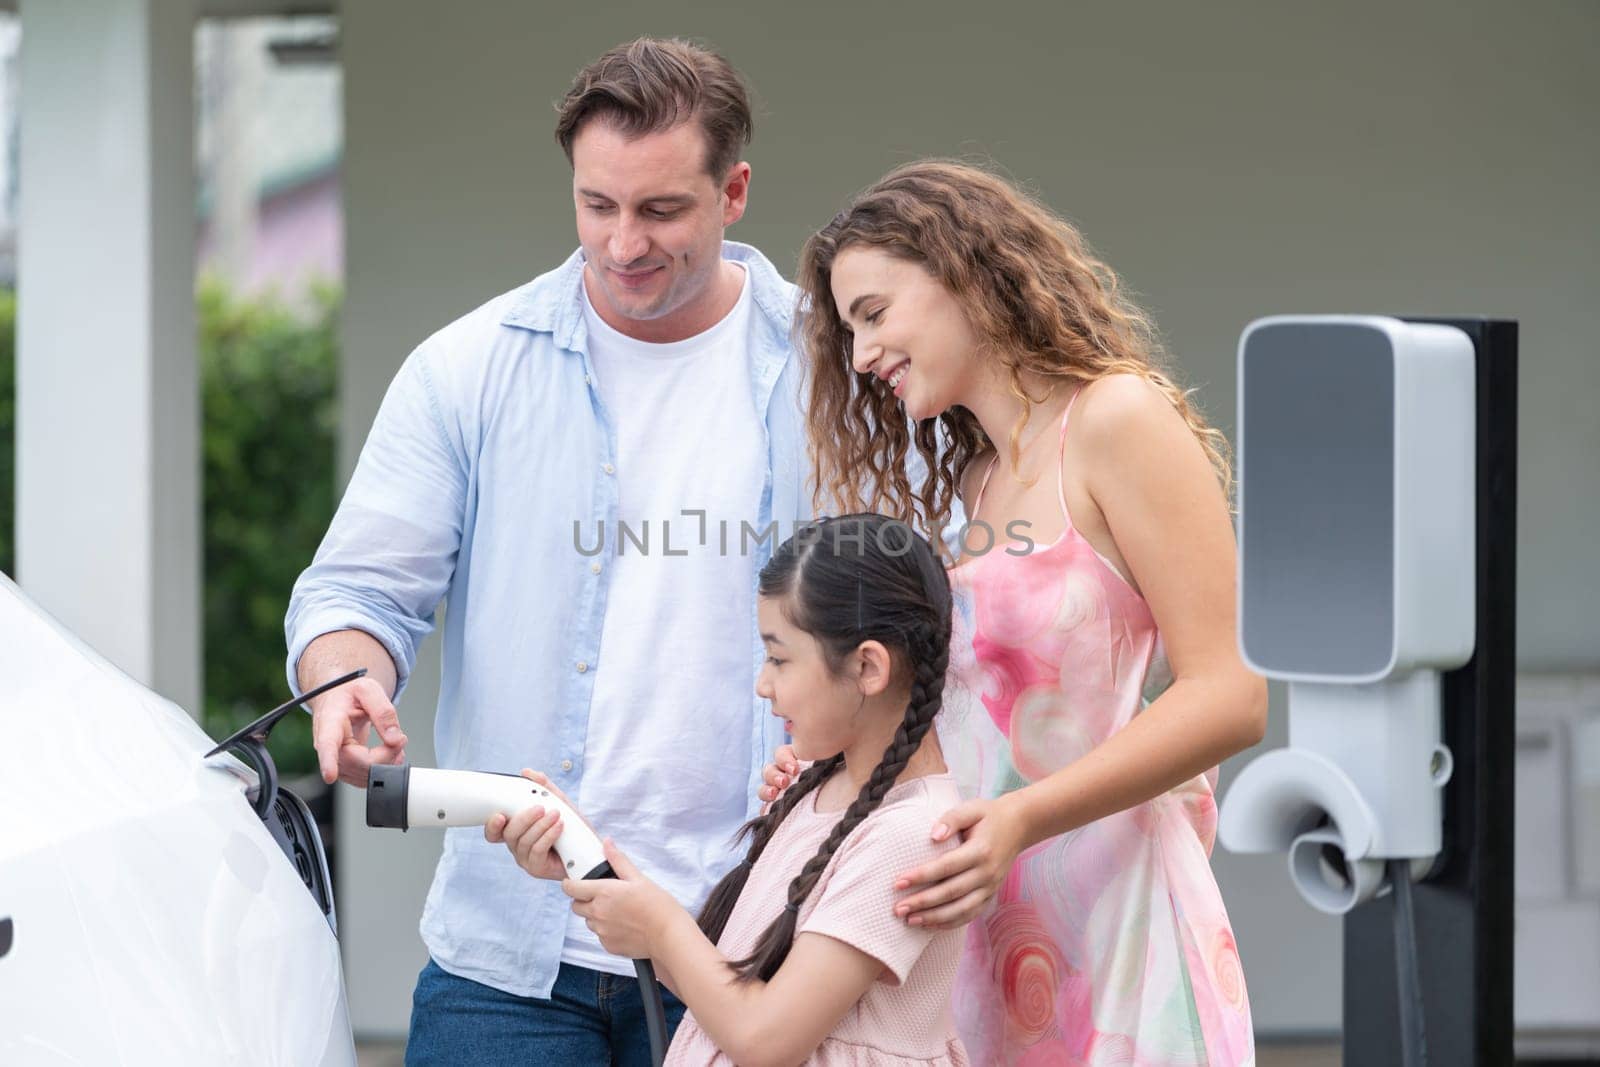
(1094,681)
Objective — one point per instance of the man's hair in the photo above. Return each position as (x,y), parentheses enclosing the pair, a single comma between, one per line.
(653,84)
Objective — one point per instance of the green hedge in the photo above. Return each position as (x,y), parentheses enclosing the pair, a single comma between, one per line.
(270,415)
(270,418)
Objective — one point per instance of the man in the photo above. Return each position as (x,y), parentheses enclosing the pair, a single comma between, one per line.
(586,469)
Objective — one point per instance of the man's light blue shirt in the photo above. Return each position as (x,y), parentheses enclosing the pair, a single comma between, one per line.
(490,451)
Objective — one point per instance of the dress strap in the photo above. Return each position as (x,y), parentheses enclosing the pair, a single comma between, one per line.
(972,516)
(1061,464)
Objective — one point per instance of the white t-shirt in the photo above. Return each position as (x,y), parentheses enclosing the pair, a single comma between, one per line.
(670,722)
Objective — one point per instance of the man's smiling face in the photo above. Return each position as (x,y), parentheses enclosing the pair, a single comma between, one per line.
(650,220)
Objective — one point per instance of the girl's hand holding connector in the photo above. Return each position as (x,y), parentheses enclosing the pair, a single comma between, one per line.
(531,834)
(624,912)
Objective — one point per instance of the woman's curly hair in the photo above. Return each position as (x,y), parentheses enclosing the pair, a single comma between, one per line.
(1034,293)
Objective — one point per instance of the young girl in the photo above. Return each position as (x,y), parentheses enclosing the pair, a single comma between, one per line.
(1099,568)
(797,956)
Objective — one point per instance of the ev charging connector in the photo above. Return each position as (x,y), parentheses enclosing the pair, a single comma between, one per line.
(404,797)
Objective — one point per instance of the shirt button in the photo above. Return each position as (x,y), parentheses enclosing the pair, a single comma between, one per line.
(582,667)
(609,469)
(595,567)
(566,765)
(587,380)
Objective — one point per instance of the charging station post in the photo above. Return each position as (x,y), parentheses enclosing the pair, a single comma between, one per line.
(1463,907)
(1377,469)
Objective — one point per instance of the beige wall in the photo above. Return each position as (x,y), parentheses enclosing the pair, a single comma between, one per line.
(1231,161)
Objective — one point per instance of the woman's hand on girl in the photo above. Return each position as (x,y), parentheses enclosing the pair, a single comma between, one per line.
(625,912)
(779,774)
(993,833)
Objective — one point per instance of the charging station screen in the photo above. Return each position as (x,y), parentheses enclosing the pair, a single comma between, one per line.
(1316,465)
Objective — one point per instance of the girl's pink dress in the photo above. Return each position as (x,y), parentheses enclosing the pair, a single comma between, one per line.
(904,1019)
(1108,944)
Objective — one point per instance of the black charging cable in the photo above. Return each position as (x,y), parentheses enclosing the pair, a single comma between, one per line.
(1413,1035)
(655,1014)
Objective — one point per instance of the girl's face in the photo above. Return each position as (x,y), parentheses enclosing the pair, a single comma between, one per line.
(908,330)
(821,711)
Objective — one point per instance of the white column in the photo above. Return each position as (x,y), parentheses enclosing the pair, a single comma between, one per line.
(108,461)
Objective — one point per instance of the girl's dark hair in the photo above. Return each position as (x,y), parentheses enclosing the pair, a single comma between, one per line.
(844,581)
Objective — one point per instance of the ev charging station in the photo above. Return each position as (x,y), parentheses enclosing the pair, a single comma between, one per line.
(1377,547)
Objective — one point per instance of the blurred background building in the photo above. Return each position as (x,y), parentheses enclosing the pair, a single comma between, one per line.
(346,177)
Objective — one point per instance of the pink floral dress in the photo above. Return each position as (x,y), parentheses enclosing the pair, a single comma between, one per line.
(1108,944)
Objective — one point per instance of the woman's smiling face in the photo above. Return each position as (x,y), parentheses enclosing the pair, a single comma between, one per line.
(908,330)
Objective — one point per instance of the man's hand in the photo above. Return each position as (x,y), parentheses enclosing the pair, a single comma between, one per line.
(342,719)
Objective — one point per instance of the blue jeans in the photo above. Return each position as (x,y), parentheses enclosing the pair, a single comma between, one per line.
(590,1018)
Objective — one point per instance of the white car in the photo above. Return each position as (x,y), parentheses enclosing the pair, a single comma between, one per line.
(147,913)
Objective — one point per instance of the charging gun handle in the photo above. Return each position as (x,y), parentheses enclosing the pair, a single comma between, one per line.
(406,796)
(430,797)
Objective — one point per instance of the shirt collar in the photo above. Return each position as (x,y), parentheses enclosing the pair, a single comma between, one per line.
(553,303)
